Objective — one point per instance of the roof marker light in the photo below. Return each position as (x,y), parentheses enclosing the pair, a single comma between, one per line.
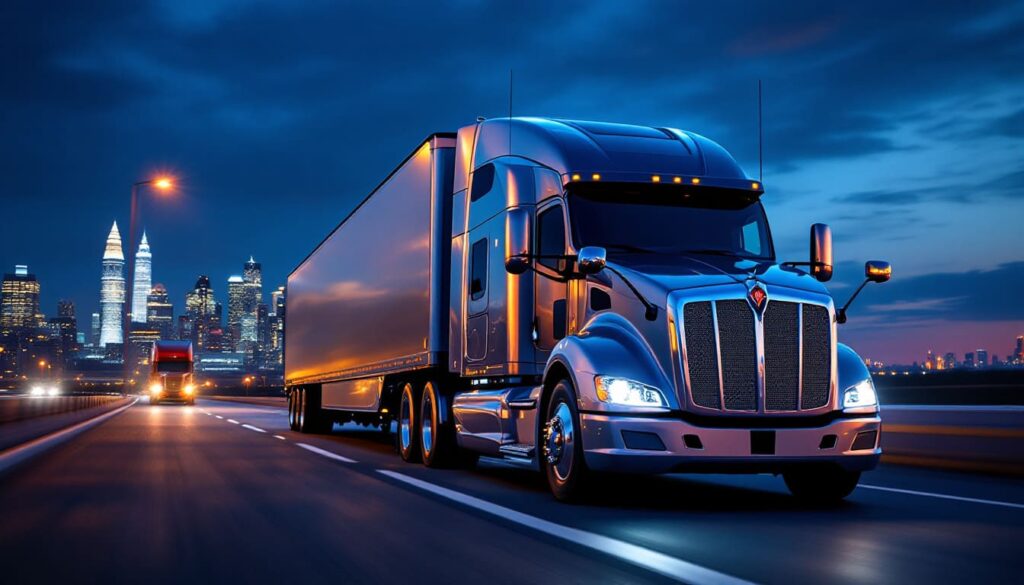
(656,178)
(695,180)
(677,179)
(755,185)
(595,177)
(575,176)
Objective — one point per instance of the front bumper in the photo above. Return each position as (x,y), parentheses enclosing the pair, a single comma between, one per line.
(724,450)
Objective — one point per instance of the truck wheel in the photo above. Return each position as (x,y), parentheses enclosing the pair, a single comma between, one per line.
(293,409)
(821,485)
(437,438)
(408,435)
(312,419)
(562,449)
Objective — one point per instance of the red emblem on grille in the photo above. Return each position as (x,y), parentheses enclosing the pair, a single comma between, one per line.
(757,298)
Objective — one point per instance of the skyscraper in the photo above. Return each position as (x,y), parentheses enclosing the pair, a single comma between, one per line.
(203,311)
(982,357)
(65,326)
(160,311)
(950,360)
(237,301)
(112,289)
(1019,351)
(143,281)
(94,330)
(19,300)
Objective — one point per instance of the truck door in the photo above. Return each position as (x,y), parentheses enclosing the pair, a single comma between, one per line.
(550,320)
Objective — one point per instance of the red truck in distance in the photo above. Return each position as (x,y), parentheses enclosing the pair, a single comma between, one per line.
(171,373)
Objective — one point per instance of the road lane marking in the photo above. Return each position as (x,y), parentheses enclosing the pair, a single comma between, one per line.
(15,455)
(633,554)
(232,421)
(326,454)
(252,428)
(280,437)
(944,496)
(219,416)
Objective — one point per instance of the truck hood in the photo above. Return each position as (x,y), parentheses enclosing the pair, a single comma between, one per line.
(656,275)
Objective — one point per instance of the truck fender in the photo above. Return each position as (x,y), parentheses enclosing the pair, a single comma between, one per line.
(607,345)
(852,370)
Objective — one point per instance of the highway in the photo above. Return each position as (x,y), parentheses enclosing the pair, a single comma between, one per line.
(224,492)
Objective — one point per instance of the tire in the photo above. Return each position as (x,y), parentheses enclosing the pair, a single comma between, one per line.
(312,419)
(562,447)
(293,409)
(407,438)
(821,485)
(437,437)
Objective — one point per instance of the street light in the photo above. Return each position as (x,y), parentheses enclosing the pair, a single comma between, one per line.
(163,183)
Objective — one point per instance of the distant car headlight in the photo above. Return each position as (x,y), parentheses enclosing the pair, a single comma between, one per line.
(863,394)
(628,393)
(189,389)
(155,388)
(37,391)
(53,391)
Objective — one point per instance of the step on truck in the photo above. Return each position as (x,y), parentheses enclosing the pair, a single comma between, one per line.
(580,297)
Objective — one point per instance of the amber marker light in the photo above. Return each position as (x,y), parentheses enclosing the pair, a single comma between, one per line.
(656,179)
(695,180)
(575,177)
(596,176)
(755,185)
(677,179)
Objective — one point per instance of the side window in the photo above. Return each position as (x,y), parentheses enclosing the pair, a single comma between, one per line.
(478,269)
(483,181)
(752,238)
(551,237)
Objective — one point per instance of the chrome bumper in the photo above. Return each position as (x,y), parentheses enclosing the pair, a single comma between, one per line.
(724,450)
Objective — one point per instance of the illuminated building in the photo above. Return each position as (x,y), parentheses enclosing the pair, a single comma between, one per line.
(94,330)
(65,328)
(969,359)
(950,360)
(19,300)
(982,357)
(1019,351)
(237,291)
(143,281)
(203,311)
(112,290)
(160,312)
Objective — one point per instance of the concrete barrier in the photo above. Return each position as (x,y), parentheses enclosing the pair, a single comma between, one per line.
(18,408)
(970,438)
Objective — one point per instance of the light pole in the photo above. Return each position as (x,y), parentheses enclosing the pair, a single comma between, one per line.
(160,183)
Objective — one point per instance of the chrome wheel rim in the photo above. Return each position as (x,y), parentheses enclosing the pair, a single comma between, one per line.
(427,423)
(405,422)
(559,442)
(300,414)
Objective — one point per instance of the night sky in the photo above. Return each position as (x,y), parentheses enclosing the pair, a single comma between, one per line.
(901,124)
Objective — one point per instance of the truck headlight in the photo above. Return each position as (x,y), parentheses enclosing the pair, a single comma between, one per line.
(37,391)
(189,389)
(52,391)
(627,392)
(155,388)
(863,394)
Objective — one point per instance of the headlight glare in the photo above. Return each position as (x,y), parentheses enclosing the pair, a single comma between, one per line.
(863,394)
(628,393)
(37,391)
(189,389)
(155,388)
(52,391)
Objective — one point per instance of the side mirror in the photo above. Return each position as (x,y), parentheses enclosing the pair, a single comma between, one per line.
(821,252)
(877,271)
(592,259)
(517,241)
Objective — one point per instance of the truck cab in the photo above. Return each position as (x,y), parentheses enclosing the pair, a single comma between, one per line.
(623,309)
(171,373)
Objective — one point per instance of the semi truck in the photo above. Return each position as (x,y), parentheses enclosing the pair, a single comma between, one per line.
(580,297)
(171,373)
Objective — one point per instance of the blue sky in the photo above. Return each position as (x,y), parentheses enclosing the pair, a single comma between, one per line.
(900,124)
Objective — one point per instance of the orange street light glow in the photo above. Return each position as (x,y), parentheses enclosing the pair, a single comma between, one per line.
(163,183)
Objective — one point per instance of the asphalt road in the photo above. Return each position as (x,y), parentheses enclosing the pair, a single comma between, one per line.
(223,492)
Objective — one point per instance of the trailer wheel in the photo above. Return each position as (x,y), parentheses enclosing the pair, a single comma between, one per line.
(312,418)
(437,437)
(562,447)
(293,409)
(821,485)
(408,435)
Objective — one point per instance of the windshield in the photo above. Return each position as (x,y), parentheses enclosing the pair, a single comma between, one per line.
(176,367)
(669,219)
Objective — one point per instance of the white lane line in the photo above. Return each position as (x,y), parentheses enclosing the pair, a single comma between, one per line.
(219,416)
(233,421)
(252,428)
(15,455)
(280,437)
(943,496)
(646,558)
(326,454)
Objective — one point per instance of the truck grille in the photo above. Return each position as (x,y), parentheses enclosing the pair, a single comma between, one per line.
(722,355)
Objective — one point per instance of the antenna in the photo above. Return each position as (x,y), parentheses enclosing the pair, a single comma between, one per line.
(510,112)
(761,158)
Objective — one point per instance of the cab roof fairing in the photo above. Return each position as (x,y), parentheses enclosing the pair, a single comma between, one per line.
(615,152)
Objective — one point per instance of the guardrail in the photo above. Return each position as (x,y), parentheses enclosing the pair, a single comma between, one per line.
(970,438)
(17,408)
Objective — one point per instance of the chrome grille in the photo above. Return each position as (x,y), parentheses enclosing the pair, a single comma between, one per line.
(721,343)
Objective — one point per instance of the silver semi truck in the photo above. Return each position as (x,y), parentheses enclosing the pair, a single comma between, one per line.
(581,297)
